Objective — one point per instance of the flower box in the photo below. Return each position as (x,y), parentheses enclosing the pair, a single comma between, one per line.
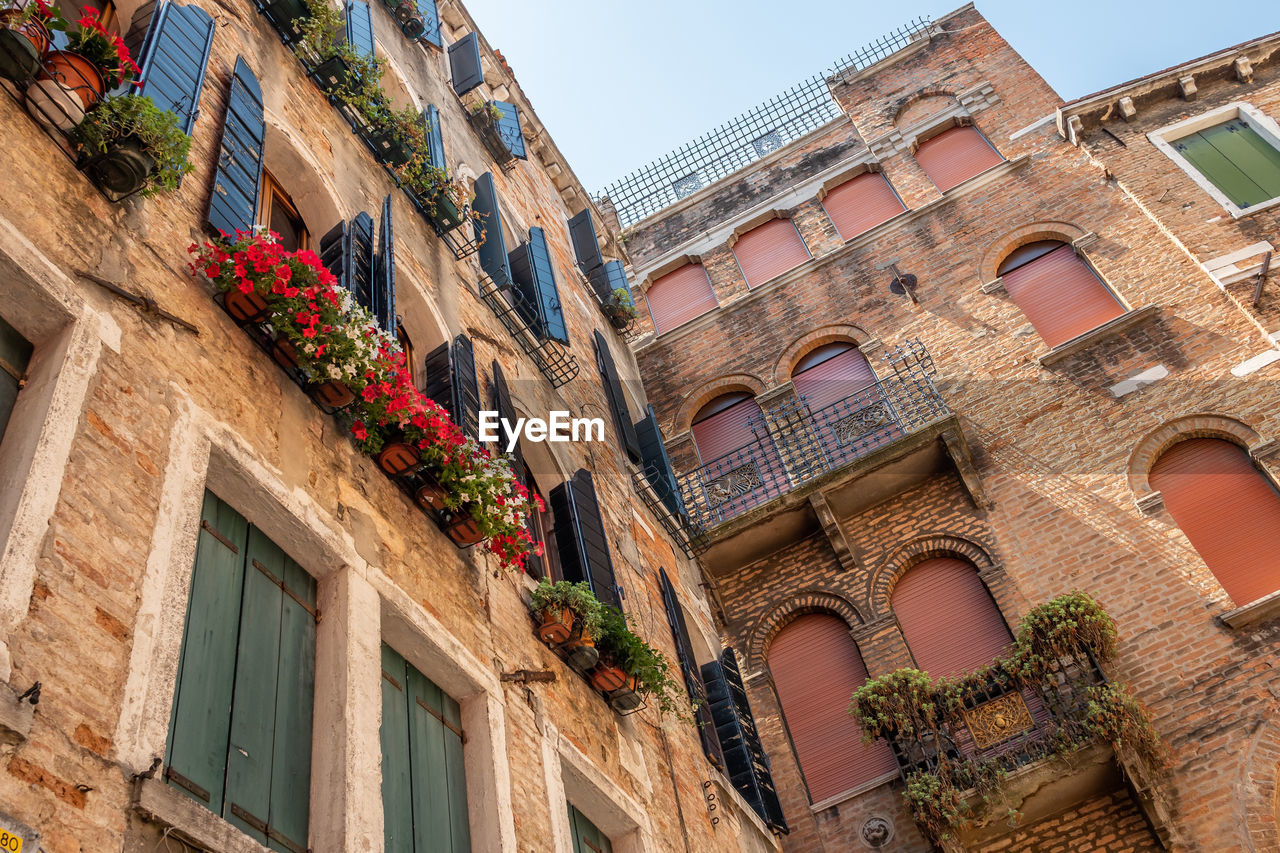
(123,169)
(332,74)
(21,46)
(461,528)
(399,458)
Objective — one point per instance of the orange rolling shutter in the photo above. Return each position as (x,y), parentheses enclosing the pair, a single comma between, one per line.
(948,618)
(769,250)
(861,204)
(956,155)
(833,378)
(727,430)
(815,667)
(1061,296)
(1228,510)
(679,296)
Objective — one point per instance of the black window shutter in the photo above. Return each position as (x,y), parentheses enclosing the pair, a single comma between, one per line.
(385,280)
(431,17)
(617,399)
(745,762)
(507,412)
(580,538)
(466,388)
(586,247)
(334,253)
(437,381)
(174,57)
(535,280)
(360,27)
(435,137)
(347,251)
(236,183)
(509,129)
(464,64)
(493,248)
(657,465)
(689,669)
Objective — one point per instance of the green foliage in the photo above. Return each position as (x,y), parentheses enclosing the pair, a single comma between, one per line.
(618,645)
(1066,625)
(620,304)
(578,597)
(322,35)
(126,117)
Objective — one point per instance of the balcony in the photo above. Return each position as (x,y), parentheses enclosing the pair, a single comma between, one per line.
(807,467)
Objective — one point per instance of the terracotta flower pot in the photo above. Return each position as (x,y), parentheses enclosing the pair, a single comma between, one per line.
(21,46)
(65,88)
(332,394)
(557,625)
(399,458)
(581,651)
(248,307)
(430,495)
(607,678)
(463,529)
(284,353)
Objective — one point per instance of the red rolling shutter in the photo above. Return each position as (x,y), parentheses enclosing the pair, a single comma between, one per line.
(727,430)
(769,250)
(956,155)
(840,371)
(1060,295)
(1228,510)
(948,618)
(861,204)
(815,667)
(679,296)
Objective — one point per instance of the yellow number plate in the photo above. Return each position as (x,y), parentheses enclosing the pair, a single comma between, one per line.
(10,843)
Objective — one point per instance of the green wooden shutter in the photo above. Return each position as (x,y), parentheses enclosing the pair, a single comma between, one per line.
(15,354)
(196,762)
(587,838)
(295,692)
(397,779)
(1236,159)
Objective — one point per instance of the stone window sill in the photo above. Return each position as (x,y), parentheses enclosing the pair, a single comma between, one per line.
(1257,611)
(1122,323)
(191,822)
(823,805)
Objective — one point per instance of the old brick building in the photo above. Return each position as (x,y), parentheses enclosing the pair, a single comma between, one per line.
(224,627)
(938,348)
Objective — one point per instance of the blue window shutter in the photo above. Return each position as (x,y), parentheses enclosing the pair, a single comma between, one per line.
(385,285)
(510,130)
(493,249)
(610,277)
(173,60)
(431,17)
(435,137)
(535,281)
(360,27)
(238,179)
(334,253)
(617,399)
(466,386)
(581,540)
(657,465)
(586,247)
(464,64)
(347,251)
(689,669)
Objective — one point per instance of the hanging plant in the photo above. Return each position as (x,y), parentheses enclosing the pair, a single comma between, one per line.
(133,146)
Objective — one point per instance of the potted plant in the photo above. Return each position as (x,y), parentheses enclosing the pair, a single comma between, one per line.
(444,198)
(127,145)
(564,609)
(396,134)
(620,309)
(631,670)
(24,38)
(407,15)
(485,118)
(71,81)
(345,74)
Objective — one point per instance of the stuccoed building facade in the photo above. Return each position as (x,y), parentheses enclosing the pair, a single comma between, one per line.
(933,350)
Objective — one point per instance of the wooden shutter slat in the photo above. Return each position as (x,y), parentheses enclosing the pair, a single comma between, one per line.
(360,253)
(816,666)
(657,465)
(617,399)
(968,635)
(1236,160)
(437,375)
(173,61)
(465,70)
(238,177)
(586,246)
(385,290)
(769,250)
(360,27)
(455,778)
(466,386)
(689,670)
(956,155)
(581,539)
(397,784)
(426,738)
(200,724)
(539,297)
(488,225)
(611,276)
(860,204)
(431,20)
(1061,296)
(1228,510)
(435,137)
(680,296)
(834,379)
(510,130)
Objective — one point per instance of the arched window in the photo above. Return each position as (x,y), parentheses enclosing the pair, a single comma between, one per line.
(948,618)
(836,383)
(1057,291)
(679,296)
(955,155)
(741,467)
(831,373)
(860,204)
(815,666)
(1228,509)
(767,251)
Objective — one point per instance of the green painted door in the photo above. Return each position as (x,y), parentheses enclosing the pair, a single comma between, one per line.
(15,354)
(586,837)
(1236,159)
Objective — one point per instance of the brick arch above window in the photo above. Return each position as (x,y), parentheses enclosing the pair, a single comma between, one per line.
(1010,241)
(705,393)
(785,612)
(916,551)
(1197,425)
(810,341)
(922,104)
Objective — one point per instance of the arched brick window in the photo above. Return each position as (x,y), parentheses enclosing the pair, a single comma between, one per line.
(1057,291)
(839,389)
(740,464)
(767,251)
(1228,509)
(816,666)
(955,155)
(948,618)
(679,296)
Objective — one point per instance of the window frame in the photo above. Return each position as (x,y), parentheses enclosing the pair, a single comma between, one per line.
(271,190)
(1165,137)
(941,124)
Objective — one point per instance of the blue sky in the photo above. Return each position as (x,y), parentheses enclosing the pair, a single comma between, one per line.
(620,84)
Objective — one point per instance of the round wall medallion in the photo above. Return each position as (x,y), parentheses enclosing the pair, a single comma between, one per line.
(877,831)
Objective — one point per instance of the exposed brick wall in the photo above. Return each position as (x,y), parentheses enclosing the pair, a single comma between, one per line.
(1110,823)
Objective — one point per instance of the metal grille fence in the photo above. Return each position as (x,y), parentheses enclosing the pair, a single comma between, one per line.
(747,138)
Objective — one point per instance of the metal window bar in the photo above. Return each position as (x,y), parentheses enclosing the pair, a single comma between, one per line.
(495,141)
(554,360)
(745,139)
(690,540)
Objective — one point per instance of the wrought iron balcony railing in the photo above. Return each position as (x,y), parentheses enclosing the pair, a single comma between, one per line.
(795,444)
